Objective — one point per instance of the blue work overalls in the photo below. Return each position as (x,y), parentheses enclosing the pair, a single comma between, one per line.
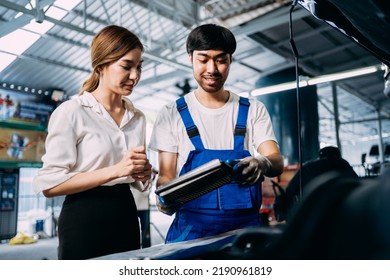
(231,206)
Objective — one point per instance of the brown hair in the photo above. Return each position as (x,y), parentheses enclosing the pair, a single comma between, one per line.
(109,45)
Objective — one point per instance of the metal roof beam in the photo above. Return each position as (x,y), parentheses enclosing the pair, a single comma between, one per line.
(305,35)
(24,10)
(169,62)
(16,23)
(9,27)
(151,56)
(267,21)
(173,74)
(50,62)
(173,11)
(237,9)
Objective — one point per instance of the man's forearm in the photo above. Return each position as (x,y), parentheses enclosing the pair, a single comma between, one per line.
(277,165)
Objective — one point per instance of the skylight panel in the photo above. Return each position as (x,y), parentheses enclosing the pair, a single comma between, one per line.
(40,28)
(67,4)
(5,60)
(17,42)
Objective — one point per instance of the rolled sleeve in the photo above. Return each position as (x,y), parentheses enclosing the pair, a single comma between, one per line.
(163,137)
(262,126)
(60,155)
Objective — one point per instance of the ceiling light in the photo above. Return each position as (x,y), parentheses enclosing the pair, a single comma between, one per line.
(343,75)
(314,81)
(277,88)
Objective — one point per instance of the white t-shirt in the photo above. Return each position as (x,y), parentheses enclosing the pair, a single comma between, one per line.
(216,127)
(82,137)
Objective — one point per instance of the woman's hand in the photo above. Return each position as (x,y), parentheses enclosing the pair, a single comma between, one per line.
(135,164)
(145,174)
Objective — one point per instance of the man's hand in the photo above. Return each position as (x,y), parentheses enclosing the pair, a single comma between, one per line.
(166,208)
(253,169)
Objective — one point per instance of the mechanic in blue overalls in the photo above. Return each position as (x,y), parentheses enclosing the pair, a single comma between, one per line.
(214,123)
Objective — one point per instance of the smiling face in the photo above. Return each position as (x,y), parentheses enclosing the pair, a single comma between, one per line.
(210,69)
(121,76)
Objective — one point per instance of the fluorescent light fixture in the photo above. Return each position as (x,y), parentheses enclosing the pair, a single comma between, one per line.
(343,75)
(244,94)
(373,137)
(277,88)
(314,81)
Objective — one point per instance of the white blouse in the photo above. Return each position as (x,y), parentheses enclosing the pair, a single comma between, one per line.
(83,137)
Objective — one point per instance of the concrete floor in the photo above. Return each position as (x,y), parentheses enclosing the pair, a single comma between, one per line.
(46,248)
(43,249)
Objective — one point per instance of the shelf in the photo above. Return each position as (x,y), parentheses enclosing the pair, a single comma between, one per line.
(22,125)
(19,164)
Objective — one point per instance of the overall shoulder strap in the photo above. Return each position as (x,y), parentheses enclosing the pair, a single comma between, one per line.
(240,129)
(192,130)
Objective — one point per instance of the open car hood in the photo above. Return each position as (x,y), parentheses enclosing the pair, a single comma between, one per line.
(367,22)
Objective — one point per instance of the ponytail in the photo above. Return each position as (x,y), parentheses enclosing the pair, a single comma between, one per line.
(91,84)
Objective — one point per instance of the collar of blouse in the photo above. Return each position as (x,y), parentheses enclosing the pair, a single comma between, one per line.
(88,100)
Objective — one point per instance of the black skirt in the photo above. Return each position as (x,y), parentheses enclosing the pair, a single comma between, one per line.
(98,222)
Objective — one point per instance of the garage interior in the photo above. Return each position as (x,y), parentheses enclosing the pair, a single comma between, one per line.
(44,52)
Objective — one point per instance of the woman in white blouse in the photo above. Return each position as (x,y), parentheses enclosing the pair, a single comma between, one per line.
(95,151)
